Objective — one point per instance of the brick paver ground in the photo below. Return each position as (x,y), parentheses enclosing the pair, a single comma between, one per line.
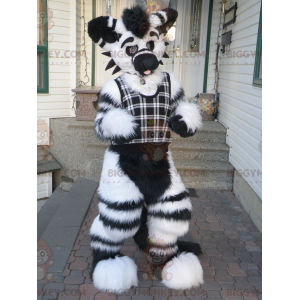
(231,260)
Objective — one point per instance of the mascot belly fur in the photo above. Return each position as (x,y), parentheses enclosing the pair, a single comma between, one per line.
(141,195)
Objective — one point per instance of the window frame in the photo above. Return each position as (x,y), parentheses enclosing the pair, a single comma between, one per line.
(256,80)
(44,50)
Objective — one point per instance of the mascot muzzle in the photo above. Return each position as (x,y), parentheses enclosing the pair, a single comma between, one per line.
(135,44)
(145,63)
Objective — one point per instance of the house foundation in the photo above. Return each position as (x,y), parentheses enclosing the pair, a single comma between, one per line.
(249,199)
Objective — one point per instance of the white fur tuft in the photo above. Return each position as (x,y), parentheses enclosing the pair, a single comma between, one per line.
(177,186)
(120,188)
(183,272)
(168,230)
(121,216)
(170,207)
(111,88)
(120,27)
(190,115)
(175,85)
(163,14)
(189,111)
(115,275)
(118,122)
(106,232)
(155,21)
(148,89)
(100,41)
(110,22)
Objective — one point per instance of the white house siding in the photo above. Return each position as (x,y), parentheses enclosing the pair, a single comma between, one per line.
(64,71)
(44,185)
(240,101)
(57,102)
(88,13)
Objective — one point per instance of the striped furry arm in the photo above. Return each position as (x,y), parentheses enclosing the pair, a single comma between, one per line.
(114,122)
(185,118)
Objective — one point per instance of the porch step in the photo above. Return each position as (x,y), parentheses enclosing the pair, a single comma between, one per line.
(204,151)
(187,151)
(206,174)
(46,213)
(60,219)
(204,155)
(211,132)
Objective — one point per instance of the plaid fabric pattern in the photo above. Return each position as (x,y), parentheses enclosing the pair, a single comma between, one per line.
(151,112)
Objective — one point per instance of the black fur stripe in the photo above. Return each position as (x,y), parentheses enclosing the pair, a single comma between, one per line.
(114,224)
(179,95)
(102,44)
(184,246)
(162,19)
(153,33)
(165,246)
(104,109)
(114,24)
(128,40)
(178,197)
(99,132)
(99,255)
(96,238)
(106,98)
(183,215)
(125,206)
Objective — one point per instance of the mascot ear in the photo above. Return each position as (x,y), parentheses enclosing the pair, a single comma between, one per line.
(135,20)
(105,31)
(163,20)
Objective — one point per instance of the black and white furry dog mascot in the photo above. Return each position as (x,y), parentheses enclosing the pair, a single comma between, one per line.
(141,195)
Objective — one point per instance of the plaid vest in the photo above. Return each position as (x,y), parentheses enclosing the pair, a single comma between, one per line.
(151,112)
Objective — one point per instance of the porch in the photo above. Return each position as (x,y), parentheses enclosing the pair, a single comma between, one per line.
(231,260)
(202,161)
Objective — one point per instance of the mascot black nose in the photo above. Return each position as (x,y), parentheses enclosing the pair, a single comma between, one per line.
(146,62)
(149,63)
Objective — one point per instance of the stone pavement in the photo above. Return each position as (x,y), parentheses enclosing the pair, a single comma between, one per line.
(231,260)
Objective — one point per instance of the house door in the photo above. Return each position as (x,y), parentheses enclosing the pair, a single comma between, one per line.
(187,41)
(187,51)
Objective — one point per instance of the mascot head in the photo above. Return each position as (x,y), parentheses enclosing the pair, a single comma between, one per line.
(135,44)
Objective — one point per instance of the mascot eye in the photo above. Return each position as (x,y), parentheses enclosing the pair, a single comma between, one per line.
(150,45)
(131,50)
(152,253)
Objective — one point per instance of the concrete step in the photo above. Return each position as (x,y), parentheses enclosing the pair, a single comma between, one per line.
(205,174)
(199,151)
(46,213)
(180,151)
(211,132)
(201,160)
(60,219)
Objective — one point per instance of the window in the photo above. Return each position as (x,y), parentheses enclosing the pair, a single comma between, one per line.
(42,47)
(257,78)
(195,23)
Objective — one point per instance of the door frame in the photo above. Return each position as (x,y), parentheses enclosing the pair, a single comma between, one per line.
(206,19)
(208,38)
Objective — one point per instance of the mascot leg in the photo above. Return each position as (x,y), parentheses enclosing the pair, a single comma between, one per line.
(168,219)
(120,207)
